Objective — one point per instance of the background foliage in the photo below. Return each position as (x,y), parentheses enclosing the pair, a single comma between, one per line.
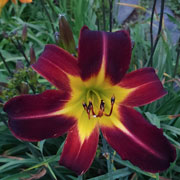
(26,28)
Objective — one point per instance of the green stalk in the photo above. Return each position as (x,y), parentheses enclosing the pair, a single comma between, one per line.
(150,62)
(5,64)
(48,15)
(151,25)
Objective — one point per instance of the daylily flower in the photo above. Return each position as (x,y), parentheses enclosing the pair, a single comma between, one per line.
(4,2)
(94,93)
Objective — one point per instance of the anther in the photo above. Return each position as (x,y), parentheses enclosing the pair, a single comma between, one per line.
(102,105)
(112,104)
(112,100)
(84,106)
(89,106)
(101,111)
(89,109)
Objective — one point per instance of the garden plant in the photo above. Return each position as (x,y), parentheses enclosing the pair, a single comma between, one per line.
(88,94)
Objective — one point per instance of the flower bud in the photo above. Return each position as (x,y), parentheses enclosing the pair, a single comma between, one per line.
(24,33)
(24,89)
(66,35)
(32,56)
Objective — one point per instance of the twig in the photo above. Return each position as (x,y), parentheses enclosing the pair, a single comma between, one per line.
(98,24)
(4,61)
(48,15)
(22,51)
(151,25)
(20,48)
(150,63)
(32,88)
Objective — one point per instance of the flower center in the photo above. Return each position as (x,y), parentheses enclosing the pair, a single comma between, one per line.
(89,108)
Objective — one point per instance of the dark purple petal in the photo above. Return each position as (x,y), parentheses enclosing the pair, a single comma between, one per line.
(146,87)
(78,156)
(138,141)
(55,64)
(98,49)
(37,117)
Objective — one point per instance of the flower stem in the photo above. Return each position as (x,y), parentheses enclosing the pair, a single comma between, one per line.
(150,62)
(32,88)
(7,67)
(20,48)
(22,51)
(151,24)
(107,155)
(48,15)
(110,15)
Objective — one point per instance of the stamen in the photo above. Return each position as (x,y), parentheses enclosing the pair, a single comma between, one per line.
(102,105)
(112,100)
(101,111)
(89,109)
(89,106)
(84,106)
(112,104)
